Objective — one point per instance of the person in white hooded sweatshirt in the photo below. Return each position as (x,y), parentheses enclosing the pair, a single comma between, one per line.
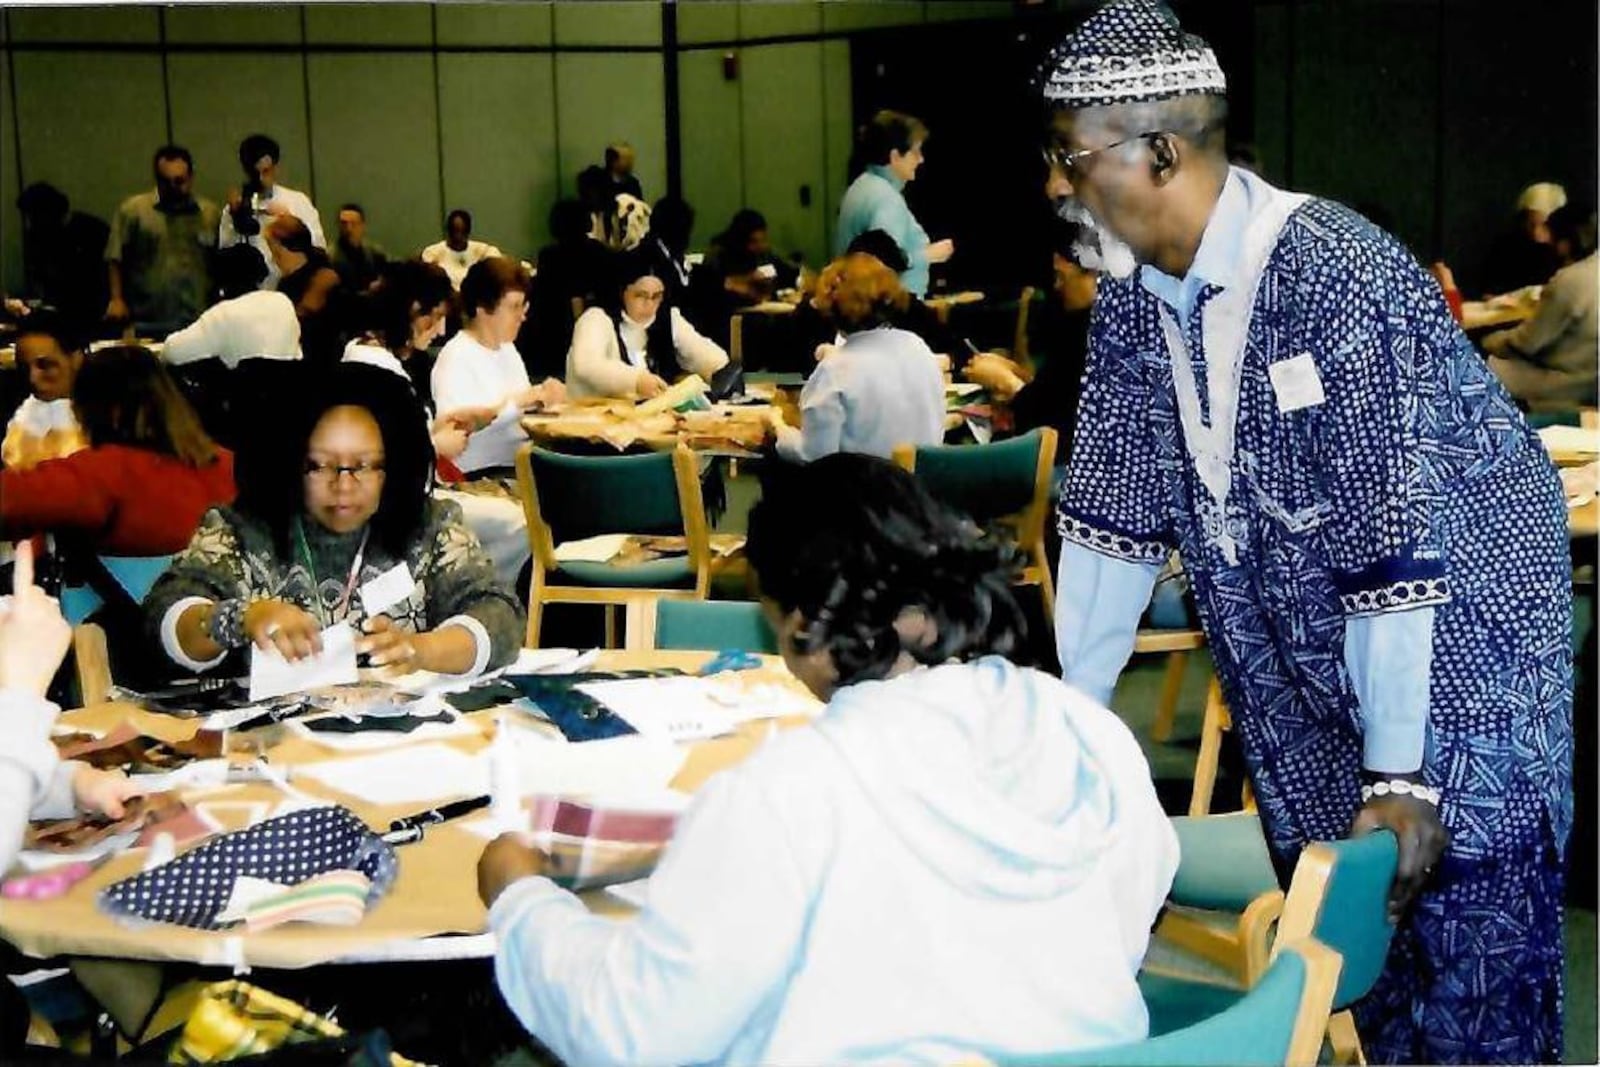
(960,856)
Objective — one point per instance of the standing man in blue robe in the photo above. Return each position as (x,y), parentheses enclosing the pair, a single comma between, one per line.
(1377,541)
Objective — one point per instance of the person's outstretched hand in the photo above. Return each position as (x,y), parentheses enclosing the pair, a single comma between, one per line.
(33,634)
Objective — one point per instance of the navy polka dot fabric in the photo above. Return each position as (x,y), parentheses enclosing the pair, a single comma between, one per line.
(192,889)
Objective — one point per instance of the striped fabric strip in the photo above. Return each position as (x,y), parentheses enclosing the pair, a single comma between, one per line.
(338,898)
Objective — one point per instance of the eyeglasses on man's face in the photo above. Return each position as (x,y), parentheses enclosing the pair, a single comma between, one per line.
(1070,161)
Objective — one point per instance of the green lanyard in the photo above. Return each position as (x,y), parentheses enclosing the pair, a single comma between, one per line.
(316,583)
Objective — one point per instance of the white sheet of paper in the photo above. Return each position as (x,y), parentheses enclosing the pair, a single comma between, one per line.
(271,675)
(528,661)
(387,589)
(635,893)
(599,549)
(763,700)
(674,709)
(411,774)
(629,764)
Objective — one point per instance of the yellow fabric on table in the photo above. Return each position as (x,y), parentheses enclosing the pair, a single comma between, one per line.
(235,1019)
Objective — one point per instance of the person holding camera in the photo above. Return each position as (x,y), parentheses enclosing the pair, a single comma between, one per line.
(262,199)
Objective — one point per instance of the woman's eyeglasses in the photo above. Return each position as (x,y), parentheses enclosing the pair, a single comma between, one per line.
(328,473)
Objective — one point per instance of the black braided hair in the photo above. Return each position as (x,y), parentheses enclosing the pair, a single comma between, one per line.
(852,541)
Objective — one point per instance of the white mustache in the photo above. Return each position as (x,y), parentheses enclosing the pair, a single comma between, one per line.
(1098,248)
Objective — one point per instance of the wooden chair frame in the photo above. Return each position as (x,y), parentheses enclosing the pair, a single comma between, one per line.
(93,660)
(1313,872)
(638,604)
(1028,524)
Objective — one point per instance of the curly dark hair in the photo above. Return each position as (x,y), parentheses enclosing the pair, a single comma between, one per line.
(271,473)
(852,541)
(407,288)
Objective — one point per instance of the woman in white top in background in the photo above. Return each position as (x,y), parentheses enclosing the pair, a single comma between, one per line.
(410,305)
(638,342)
(480,369)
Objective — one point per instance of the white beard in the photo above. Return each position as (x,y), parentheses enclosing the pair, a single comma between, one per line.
(1098,248)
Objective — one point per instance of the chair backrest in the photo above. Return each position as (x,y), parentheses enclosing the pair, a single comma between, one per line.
(994,481)
(1280,1021)
(1340,896)
(713,626)
(136,575)
(569,498)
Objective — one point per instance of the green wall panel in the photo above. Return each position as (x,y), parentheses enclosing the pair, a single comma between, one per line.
(713,143)
(86,25)
(368,24)
(774,18)
(839,127)
(608,22)
(497,133)
(783,144)
(10,186)
(266,94)
(845,16)
(234,24)
(603,97)
(707,20)
(375,140)
(495,25)
(89,122)
(1272,97)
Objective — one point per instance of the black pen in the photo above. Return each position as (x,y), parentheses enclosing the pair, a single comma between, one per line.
(405,830)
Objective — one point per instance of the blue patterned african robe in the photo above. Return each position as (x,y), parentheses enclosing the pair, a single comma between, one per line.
(1414,482)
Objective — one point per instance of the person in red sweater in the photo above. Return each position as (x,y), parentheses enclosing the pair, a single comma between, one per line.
(148,474)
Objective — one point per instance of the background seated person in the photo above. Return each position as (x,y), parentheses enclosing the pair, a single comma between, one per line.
(573,272)
(1058,339)
(636,343)
(739,270)
(248,323)
(339,499)
(1549,361)
(882,387)
(973,835)
(148,474)
(308,279)
(1523,254)
(458,251)
(480,372)
(409,306)
(50,350)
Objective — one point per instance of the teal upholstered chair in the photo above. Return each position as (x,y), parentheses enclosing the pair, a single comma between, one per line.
(1279,1022)
(135,575)
(1225,899)
(713,626)
(570,498)
(1005,484)
(1339,896)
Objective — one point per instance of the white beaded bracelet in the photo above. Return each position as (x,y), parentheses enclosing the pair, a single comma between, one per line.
(1400,787)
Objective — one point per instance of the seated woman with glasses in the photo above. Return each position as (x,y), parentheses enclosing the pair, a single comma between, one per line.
(334,504)
(637,343)
(881,387)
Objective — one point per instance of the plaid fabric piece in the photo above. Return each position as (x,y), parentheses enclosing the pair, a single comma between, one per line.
(195,887)
(236,1019)
(591,846)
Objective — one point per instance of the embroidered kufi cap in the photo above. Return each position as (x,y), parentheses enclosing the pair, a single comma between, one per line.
(1129,51)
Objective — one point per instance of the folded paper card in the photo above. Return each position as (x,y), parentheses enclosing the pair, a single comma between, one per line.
(271,675)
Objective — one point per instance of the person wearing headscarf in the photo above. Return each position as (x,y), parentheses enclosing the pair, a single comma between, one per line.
(1377,540)
(1523,254)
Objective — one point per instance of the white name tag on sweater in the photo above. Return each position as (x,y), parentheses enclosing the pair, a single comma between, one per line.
(387,589)
(1296,384)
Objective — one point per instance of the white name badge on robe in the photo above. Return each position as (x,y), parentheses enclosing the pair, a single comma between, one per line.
(387,590)
(1296,384)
